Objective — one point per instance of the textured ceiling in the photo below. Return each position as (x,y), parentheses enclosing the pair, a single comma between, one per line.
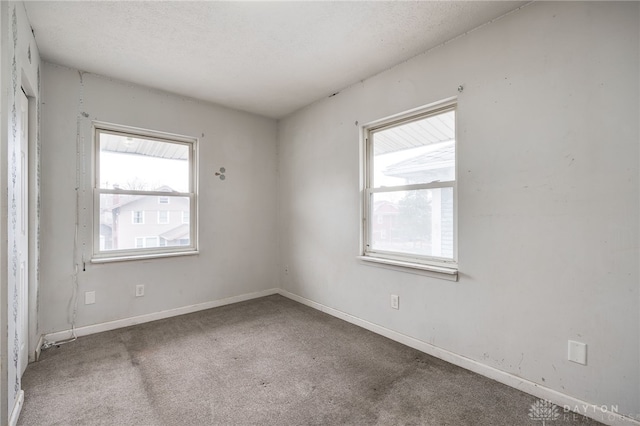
(269,58)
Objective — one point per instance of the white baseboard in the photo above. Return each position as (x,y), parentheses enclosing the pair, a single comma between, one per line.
(17,408)
(126,322)
(562,400)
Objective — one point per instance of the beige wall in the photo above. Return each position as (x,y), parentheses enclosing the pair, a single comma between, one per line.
(548,200)
(237,227)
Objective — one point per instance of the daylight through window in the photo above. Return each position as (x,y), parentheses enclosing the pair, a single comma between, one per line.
(410,211)
(145,200)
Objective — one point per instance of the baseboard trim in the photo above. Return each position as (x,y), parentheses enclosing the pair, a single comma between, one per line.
(17,409)
(126,322)
(562,400)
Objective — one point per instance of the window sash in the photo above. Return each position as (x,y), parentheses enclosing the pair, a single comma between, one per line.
(133,252)
(107,128)
(431,185)
(100,255)
(368,219)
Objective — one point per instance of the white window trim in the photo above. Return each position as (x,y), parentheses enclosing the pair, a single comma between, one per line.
(168,217)
(422,265)
(144,253)
(144,241)
(133,217)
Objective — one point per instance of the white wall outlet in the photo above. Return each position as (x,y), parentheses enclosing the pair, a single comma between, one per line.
(395,301)
(577,352)
(140,290)
(89,297)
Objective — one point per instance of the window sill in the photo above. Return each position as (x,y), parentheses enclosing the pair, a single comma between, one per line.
(450,274)
(141,257)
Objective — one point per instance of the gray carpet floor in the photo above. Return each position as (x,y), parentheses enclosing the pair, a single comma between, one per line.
(269,361)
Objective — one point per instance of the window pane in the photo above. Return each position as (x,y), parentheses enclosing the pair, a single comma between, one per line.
(418,222)
(151,242)
(163,217)
(421,151)
(134,163)
(119,229)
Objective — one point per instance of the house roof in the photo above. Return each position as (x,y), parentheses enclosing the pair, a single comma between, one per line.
(430,166)
(176,233)
(128,199)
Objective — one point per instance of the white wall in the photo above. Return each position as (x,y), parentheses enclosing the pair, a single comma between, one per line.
(20,70)
(548,198)
(238,243)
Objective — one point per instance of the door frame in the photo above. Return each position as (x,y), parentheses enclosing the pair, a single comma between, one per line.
(33,216)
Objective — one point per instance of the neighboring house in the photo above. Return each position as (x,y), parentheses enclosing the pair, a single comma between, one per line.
(144,222)
(385,221)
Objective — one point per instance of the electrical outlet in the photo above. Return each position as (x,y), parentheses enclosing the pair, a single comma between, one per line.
(577,352)
(89,297)
(395,301)
(140,290)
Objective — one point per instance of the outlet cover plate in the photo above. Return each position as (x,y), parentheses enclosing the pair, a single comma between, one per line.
(395,301)
(89,297)
(577,352)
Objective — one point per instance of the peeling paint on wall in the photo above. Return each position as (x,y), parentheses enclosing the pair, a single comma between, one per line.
(23,75)
(13,337)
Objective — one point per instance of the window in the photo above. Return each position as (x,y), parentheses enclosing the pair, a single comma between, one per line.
(135,172)
(410,190)
(142,242)
(163,217)
(137,217)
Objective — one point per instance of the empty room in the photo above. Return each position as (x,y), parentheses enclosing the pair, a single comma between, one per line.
(319,212)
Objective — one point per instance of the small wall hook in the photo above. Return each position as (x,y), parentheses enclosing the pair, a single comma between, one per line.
(221,173)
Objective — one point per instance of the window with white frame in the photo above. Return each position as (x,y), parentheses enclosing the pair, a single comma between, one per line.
(136,173)
(137,217)
(163,217)
(144,242)
(410,189)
